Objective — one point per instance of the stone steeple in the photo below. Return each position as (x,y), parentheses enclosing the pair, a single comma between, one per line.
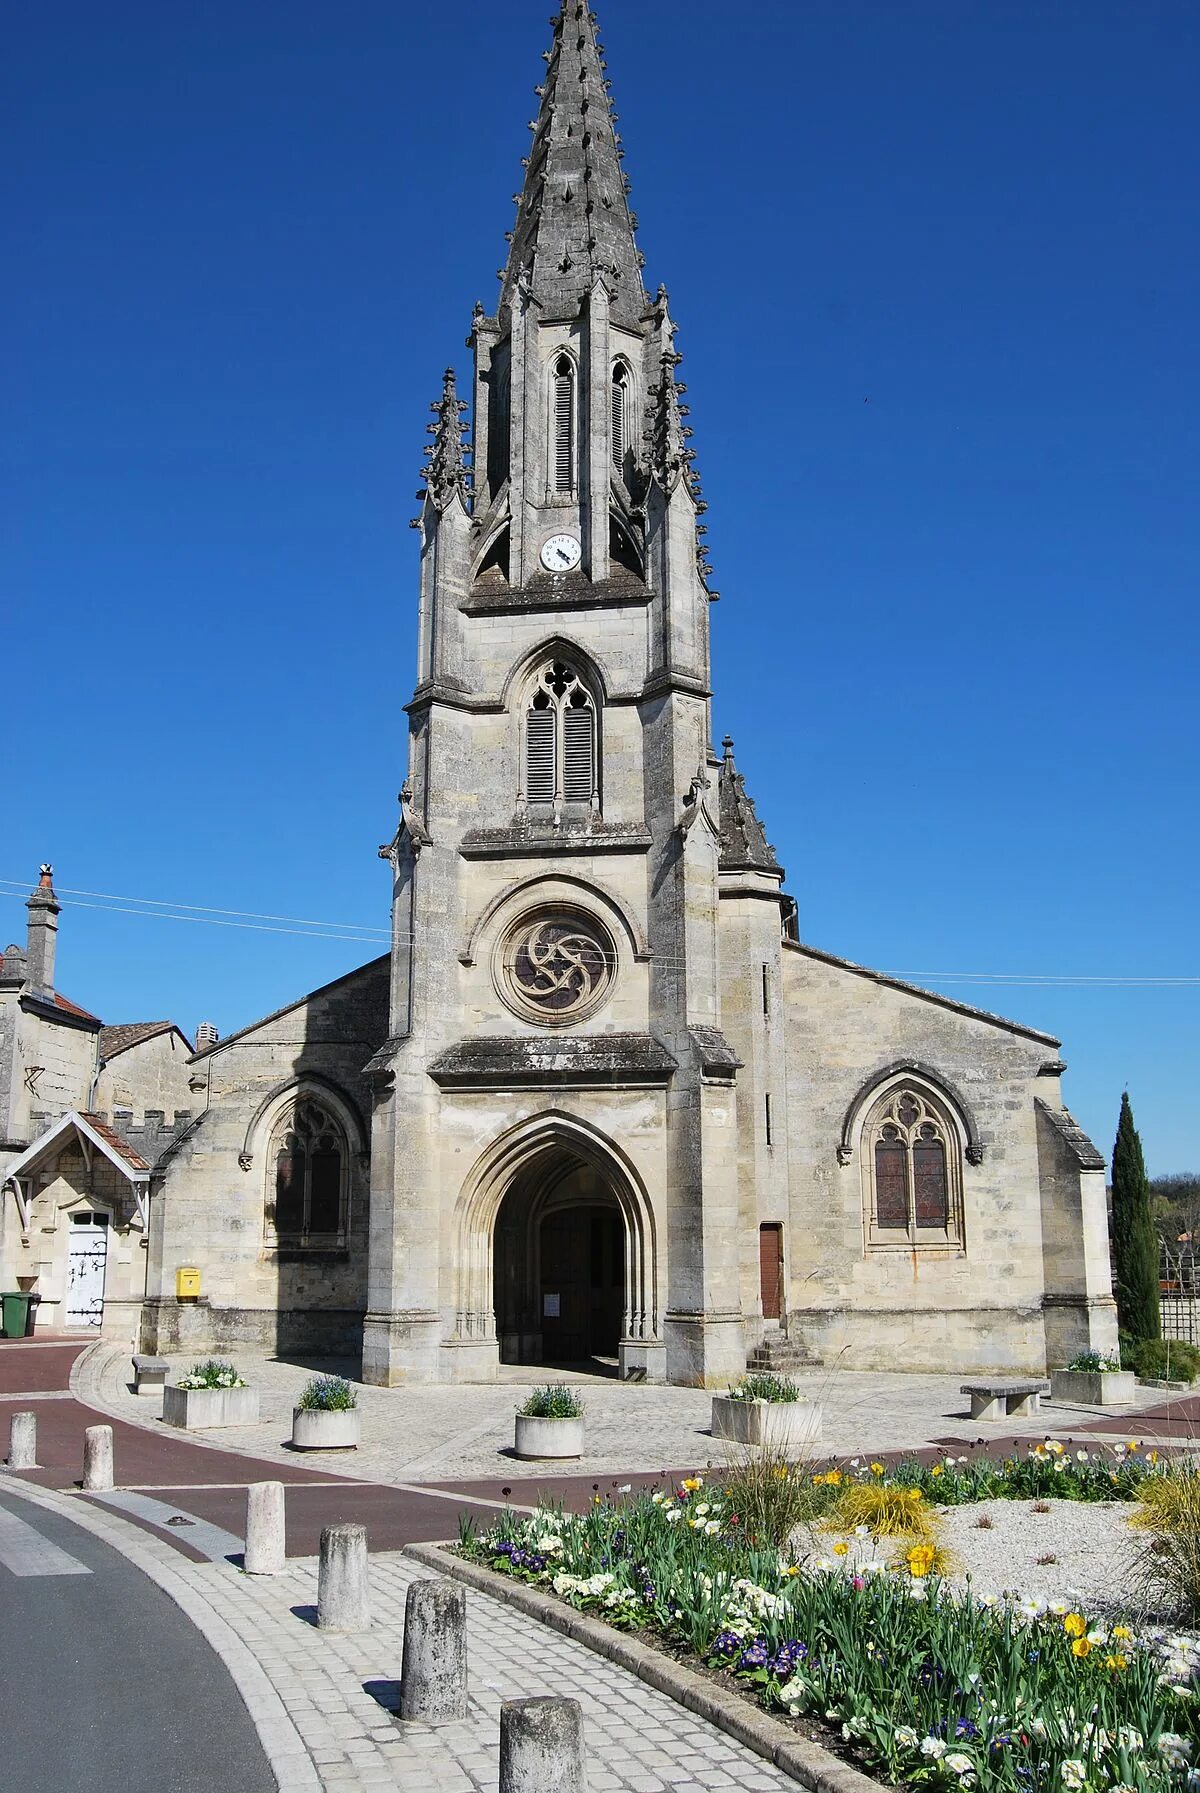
(573,218)
(744,844)
(446,472)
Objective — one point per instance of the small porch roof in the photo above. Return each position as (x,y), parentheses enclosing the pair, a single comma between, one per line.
(94,1135)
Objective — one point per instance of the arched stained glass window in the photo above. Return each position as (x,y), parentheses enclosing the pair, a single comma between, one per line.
(308,1171)
(912,1167)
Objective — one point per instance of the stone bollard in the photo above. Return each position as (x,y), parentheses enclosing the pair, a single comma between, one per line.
(265,1529)
(97,1458)
(342,1594)
(433,1680)
(22,1441)
(541,1747)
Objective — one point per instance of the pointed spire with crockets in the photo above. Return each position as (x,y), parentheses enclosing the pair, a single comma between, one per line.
(573,218)
(744,844)
(446,472)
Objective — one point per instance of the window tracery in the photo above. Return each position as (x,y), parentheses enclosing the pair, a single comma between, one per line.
(556,966)
(560,758)
(913,1171)
(308,1176)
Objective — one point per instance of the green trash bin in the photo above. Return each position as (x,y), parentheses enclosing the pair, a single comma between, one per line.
(15,1305)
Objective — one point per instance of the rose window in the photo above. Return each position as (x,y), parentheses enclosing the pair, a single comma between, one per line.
(557,967)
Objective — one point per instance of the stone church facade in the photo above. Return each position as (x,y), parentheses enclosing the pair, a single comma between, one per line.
(600,1099)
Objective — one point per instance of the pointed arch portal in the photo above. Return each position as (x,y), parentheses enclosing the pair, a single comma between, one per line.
(556,1258)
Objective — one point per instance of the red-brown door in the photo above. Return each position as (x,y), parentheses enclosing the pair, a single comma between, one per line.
(770,1269)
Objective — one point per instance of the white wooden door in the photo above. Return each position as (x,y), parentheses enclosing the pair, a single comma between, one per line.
(87,1254)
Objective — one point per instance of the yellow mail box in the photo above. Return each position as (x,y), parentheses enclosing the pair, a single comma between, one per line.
(187,1283)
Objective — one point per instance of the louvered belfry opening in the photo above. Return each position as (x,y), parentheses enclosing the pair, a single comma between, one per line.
(560,739)
(620,416)
(564,425)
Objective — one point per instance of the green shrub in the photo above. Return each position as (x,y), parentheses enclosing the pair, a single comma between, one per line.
(329,1394)
(1168,1360)
(555,1401)
(762,1386)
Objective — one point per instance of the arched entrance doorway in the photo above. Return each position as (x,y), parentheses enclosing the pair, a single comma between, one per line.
(556,1257)
(559,1265)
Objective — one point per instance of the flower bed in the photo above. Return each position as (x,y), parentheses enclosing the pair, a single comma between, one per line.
(1046,1470)
(919,1682)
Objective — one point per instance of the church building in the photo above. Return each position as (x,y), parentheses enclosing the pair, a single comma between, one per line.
(600,1099)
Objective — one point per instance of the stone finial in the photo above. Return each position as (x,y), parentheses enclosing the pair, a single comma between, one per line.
(446,471)
(744,845)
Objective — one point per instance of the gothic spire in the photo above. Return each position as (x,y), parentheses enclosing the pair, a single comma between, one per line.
(446,472)
(744,845)
(573,218)
(666,437)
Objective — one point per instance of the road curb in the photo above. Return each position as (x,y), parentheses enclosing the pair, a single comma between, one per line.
(814,1767)
(282,1744)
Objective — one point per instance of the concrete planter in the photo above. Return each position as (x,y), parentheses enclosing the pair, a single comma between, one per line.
(549,1437)
(198,1408)
(326,1429)
(783,1425)
(1093,1388)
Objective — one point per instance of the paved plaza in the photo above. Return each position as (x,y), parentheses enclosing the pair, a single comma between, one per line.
(465,1434)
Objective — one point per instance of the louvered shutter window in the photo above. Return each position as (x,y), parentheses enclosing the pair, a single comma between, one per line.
(578,778)
(564,426)
(619,396)
(539,756)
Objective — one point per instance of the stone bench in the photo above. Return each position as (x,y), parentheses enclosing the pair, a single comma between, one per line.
(999,1400)
(149,1375)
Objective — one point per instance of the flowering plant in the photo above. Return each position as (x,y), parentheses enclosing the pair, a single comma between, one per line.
(762,1386)
(1095,1361)
(329,1394)
(555,1401)
(212,1374)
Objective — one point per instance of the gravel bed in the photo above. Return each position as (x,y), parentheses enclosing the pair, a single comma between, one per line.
(1089,1545)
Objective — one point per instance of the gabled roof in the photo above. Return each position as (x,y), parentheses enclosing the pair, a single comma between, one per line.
(124,1034)
(54,1007)
(98,1135)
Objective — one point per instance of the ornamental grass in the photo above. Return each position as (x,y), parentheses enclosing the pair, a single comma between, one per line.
(1166,1564)
(887,1511)
(921,1683)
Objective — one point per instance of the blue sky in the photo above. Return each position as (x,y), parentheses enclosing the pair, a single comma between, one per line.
(936,271)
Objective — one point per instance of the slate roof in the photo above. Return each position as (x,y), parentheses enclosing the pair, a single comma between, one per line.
(1074,1137)
(744,844)
(123,1035)
(573,219)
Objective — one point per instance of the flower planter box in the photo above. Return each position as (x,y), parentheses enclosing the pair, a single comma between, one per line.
(783,1425)
(1093,1388)
(549,1437)
(195,1409)
(326,1428)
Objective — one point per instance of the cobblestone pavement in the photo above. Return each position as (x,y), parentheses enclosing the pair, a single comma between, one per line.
(324,1705)
(465,1433)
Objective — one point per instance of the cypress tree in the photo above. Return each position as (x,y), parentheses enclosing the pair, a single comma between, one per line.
(1134,1240)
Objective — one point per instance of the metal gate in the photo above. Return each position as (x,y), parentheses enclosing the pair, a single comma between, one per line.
(87,1255)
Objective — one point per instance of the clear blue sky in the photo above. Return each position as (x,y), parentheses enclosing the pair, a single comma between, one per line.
(935,267)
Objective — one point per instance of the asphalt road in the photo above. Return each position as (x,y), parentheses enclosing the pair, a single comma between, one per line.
(107,1687)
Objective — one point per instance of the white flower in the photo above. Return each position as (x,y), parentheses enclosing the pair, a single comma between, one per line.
(933,1748)
(673,1515)
(1129,1737)
(1059,1466)
(1174,1746)
(702,1509)
(1073,1772)
(959,1764)
(1081,1456)
(862,1531)
(625,1488)
(657,1498)
(905,1737)
(795,1689)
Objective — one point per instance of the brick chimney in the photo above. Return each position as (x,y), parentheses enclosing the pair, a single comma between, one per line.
(43,910)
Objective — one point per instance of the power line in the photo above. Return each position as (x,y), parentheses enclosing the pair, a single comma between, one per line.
(108,896)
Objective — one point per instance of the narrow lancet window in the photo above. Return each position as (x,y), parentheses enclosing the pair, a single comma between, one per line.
(620,417)
(560,739)
(564,425)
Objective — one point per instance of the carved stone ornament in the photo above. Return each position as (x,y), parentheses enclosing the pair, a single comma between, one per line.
(974,1154)
(556,967)
(845,1154)
(245,1160)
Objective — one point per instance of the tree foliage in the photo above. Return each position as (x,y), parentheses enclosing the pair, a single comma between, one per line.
(1134,1238)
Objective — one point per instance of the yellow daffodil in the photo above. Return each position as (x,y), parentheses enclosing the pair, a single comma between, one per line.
(1122,1632)
(877,1469)
(1081,1647)
(1115,1664)
(920,1560)
(841,1549)
(1074,1624)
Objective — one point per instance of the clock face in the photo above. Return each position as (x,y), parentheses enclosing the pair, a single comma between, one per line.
(561,554)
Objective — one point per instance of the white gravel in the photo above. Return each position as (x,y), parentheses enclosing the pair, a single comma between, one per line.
(1077,1550)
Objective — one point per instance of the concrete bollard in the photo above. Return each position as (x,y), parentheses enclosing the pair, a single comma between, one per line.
(541,1747)
(97,1458)
(433,1679)
(22,1441)
(342,1593)
(265,1529)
